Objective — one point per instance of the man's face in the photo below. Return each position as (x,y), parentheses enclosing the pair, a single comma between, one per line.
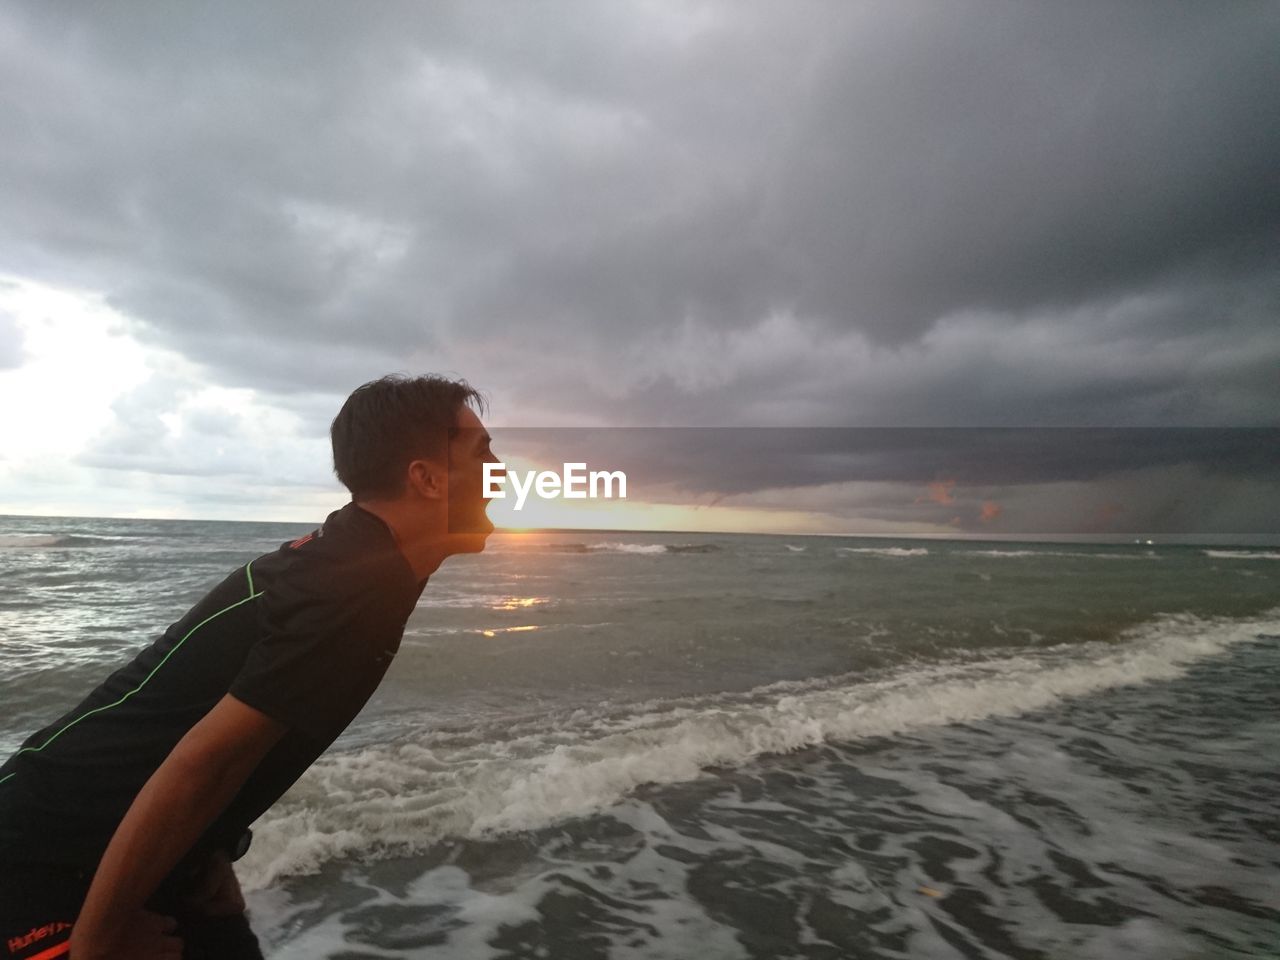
(469,451)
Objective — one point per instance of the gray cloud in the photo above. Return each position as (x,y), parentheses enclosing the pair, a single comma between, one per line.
(164,427)
(1167,481)
(11,342)
(692,213)
(718,462)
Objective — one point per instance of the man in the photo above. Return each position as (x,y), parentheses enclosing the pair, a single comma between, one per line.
(119,820)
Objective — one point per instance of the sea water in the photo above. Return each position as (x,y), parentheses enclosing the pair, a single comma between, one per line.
(632,745)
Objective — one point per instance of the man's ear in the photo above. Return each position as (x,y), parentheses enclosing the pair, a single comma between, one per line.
(427,479)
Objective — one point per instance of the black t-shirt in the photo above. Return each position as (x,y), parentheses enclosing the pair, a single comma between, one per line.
(303,634)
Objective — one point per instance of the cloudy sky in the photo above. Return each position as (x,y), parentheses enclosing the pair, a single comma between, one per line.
(216,221)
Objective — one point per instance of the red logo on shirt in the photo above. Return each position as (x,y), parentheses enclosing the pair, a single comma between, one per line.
(36,934)
(301,540)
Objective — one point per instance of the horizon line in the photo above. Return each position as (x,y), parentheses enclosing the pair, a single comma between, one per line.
(1114,539)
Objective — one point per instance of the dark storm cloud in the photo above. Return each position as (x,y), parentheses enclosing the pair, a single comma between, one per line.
(776,457)
(1023,481)
(685,213)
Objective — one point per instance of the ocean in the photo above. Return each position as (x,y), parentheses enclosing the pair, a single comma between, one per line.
(626,745)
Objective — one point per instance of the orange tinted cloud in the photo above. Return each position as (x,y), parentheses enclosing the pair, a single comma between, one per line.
(990,510)
(939,492)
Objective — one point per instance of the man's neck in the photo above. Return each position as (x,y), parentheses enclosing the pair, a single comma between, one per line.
(423,552)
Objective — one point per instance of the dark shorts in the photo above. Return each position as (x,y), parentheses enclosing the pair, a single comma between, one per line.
(39,905)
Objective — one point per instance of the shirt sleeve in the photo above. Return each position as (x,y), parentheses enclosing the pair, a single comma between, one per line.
(321,654)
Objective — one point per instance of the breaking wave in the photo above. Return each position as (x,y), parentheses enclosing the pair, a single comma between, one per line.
(637,548)
(887,551)
(401,797)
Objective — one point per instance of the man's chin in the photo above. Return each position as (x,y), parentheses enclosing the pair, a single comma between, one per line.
(472,541)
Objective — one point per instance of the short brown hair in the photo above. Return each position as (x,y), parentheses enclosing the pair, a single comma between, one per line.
(387,423)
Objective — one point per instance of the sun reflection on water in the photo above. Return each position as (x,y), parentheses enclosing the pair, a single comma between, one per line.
(518,603)
(497,630)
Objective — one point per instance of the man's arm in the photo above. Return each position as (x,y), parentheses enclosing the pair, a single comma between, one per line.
(186,793)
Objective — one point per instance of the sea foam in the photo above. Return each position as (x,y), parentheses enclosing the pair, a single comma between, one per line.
(401,797)
(887,551)
(1243,554)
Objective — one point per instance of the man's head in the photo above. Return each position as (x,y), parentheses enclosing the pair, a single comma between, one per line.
(415,445)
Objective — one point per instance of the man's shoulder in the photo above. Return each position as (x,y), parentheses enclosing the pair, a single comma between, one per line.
(350,554)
